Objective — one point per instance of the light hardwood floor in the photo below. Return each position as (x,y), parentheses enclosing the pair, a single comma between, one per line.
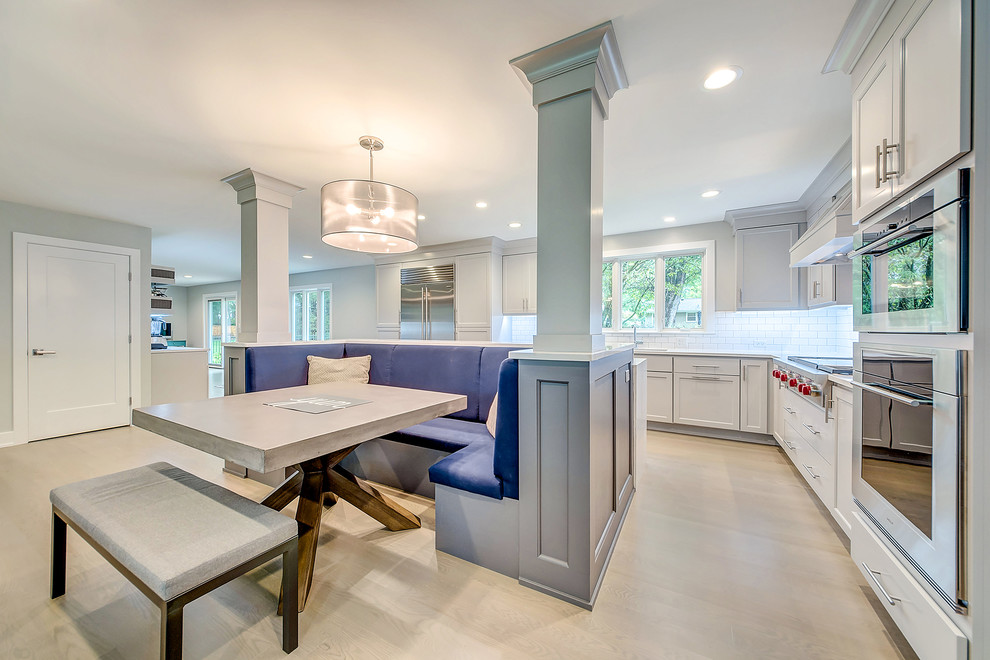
(724,554)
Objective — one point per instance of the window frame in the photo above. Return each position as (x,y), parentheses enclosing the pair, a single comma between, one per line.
(325,317)
(659,252)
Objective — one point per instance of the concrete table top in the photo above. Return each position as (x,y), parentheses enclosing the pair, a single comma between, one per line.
(242,429)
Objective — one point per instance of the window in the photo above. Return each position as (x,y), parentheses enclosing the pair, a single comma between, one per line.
(311,312)
(669,288)
(221,328)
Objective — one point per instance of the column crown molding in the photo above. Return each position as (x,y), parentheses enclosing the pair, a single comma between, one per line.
(251,185)
(596,45)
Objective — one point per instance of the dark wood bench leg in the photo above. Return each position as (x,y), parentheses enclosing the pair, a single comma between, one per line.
(58,555)
(290,590)
(171,631)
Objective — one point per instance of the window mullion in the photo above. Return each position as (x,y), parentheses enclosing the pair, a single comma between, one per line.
(660,284)
(617,295)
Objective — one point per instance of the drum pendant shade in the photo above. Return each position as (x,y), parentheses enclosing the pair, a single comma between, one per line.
(365,215)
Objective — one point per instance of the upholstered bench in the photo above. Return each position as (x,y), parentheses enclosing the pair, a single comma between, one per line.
(176,537)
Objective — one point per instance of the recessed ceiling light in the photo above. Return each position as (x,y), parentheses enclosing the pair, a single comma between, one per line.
(670,218)
(515,225)
(187,276)
(482,205)
(307,256)
(719,78)
(708,194)
(421,217)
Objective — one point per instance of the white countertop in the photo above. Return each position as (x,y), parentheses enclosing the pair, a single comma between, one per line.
(696,351)
(841,380)
(177,349)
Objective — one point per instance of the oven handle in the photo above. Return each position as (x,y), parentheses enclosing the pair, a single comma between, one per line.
(899,398)
(883,240)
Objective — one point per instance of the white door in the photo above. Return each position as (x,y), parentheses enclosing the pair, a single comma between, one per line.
(78,310)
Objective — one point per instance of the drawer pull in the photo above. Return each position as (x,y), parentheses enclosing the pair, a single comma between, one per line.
(790,446)
(789,410)
(706,366)
(811,472)
(705,378)
(812,429)
(873,575)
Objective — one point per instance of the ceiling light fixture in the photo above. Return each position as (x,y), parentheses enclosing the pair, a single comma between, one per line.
(482,205)
(187,276)
(719,78)
(307,256)
(515,225)
(421,217)
(670,218)
(356,208)
(708,194)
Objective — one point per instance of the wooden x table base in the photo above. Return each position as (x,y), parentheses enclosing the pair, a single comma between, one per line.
(318,483)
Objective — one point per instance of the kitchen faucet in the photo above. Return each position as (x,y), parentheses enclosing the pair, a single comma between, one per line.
(636,342)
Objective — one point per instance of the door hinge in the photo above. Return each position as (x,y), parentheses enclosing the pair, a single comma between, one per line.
(128,339)
(128,276)
(130,400)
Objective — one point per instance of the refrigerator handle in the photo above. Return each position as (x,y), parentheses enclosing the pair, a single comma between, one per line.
(429,322)
(422,312)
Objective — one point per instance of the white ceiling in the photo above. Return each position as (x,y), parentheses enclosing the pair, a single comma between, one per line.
(135,110)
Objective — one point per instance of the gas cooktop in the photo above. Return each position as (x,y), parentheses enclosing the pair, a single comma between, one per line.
(829,365)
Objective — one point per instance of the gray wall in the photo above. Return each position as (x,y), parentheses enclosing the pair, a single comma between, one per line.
(354,303)
(178,315)
(42,222)
(725,252)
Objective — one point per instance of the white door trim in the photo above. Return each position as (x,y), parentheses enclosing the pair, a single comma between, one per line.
(21,242)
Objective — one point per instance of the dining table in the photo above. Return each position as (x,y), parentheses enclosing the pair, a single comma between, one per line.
(261,431)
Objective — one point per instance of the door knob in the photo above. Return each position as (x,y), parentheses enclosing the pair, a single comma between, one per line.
(41,351)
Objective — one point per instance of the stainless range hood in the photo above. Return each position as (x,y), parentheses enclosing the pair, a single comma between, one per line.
(827,242)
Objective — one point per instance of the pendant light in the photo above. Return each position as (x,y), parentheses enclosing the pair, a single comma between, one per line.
(368,215)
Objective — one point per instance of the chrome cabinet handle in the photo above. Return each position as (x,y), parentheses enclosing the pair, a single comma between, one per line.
(873,575)
(811,472)
(811,428)
(789,445)
(704,378)
(887,176)
(879,180)
(789,410)
(894,396)
(41,351)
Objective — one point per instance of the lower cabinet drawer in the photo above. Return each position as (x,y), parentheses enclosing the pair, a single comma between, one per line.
(928,629)
(819,474)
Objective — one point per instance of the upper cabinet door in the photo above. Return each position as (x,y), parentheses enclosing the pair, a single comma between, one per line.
(873,137)
(935,88)
(764,277)
(388,289)
(519,283)
(472,291)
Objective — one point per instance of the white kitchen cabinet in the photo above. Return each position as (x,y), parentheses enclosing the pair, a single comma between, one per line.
(703,400)
(911,110)
(754,391)
(933,48)
(659,397)
(829,285)
(519,283)
(473,334)
(764,277)
(473,292)
(841,400)
(388,292)
(873,130)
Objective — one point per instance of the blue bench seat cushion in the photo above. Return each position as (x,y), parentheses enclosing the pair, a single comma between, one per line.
(469,469)
(443,434)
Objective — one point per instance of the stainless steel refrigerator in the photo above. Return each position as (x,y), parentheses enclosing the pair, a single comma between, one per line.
(427,310)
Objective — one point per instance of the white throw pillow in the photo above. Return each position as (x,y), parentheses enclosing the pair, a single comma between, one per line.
(491,415)
(339,370)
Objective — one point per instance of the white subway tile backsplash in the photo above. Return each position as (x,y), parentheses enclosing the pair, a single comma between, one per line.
(823,332)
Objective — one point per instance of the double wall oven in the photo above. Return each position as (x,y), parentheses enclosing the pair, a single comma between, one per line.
(910,275)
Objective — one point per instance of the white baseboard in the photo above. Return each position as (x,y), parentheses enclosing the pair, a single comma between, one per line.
(8,439)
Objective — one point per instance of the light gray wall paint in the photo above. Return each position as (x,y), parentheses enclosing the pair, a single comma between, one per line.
(43,222)
(354,302)
(725,252)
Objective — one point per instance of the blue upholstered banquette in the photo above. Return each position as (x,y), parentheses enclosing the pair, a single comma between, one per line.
(478,463)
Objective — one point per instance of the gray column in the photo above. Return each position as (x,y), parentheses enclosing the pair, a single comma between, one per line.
(576,405)
(572,82)
(263,306)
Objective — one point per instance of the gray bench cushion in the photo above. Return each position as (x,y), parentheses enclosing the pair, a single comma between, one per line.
(171,529)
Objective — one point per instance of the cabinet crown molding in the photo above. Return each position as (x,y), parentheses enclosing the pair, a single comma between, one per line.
(768,215)
(490,244)
(862,23)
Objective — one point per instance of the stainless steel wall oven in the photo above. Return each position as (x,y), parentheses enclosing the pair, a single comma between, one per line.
(908,456)
(910,267)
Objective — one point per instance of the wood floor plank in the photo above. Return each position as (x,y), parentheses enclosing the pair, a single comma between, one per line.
(724,555)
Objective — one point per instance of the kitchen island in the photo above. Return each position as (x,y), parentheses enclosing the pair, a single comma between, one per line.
(178,373)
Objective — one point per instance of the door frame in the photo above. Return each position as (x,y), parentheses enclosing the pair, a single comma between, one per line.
(207,297)
(19,343)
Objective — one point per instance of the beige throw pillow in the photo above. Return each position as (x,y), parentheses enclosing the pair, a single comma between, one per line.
(491,415)
(339,370)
